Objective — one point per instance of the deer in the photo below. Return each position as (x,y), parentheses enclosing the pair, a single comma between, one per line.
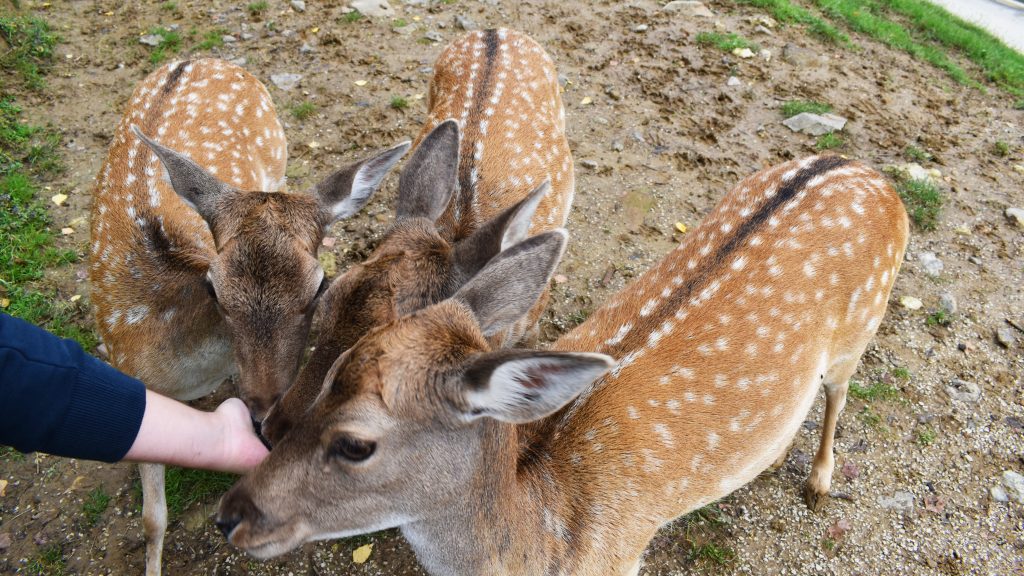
(680,389)
(202,266)
(490,166)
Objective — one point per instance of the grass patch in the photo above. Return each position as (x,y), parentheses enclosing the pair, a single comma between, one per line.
(212,39)
(788,13)
(870,418)
(170,43)
(915,154)
(185,487)
(399,23)
(8,454)
(399,103)
(901,372)
(725,42)
(27,48)
(169,6)
(49,562)
(257,8)
(353,16)
(712,553)
(926,435)
(828,141)
(794,107)
(874,391)
(94,506)
(938,318)
(1001,149)
(923,201)
(1019,104)
(302,110)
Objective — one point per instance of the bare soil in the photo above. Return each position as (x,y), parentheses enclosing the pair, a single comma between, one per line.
(668,137)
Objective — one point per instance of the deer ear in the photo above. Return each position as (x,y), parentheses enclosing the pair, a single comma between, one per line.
(197,187)
(499,233)
(509,285)
(429,178)
(345,192)
(520,386)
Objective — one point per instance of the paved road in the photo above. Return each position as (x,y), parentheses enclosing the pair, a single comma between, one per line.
(1004,18)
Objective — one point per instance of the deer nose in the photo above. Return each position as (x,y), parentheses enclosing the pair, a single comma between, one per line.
(226,525)
(257,427)
(236,507)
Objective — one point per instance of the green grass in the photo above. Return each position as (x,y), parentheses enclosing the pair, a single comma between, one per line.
(212,39)
(788,13)
(95,505)
(257,8)
(8,454)
(185,487)
(870,418)
(915,154)
(353,16)
(923,201)
(926,435)
(712,553)
(49,562)
(794,107)
(1001,149)
(399,103)
(399,23)
(874,391)
(302,110)
(169,6)
(938,318)
(170,44)
(725,42)
(900,372)
(26,49)
(828,141)
(1019,104)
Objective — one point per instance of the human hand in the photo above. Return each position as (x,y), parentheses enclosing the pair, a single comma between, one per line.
(241,449)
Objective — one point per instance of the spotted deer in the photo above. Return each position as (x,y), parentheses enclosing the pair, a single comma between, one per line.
(491,166)
(678,391)
(212,270)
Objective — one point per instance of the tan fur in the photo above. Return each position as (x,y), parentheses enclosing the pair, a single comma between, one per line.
(721,348)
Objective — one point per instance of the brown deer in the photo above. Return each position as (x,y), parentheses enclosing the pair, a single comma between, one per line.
(197,277)
(460,200)
(525,462)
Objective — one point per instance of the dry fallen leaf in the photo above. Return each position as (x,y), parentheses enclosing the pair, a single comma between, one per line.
(681,227)
(911,303)
(850,470)
(59,199)
(329,241)
(362,554)
(839,529)
(67,231)
(76,297)
(586,100)
(3,488)
(314,30)
(5,302)
(936,504)
(360,82)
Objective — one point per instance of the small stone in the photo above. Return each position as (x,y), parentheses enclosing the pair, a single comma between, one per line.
(689,8)
(930,263)
(998,494)
(151,39)
(1015,215)
(373,8)
(911,303)
(618,146)
(5,540)
(743,52)
(588,164)
(802,57)
(765,54)
(733,81)
(815,124)
(560,278)
(240,61)
(298,5)
(434,36)
(914,171)
(407,29)
(760,29)
(947,303)
(465,23)
(286,81)
(640,28)
(900,501)
(1014,484)
(1005,336)
(248,35)
(963,391)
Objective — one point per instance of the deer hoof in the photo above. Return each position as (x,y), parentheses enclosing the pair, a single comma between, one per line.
(815,500)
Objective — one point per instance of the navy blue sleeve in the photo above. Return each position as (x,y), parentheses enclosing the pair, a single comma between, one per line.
(55,398)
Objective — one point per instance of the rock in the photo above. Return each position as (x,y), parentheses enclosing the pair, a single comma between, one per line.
(963,391)
(765,54)
(407,29)
(286,81)
(640,28)
(760,29)
(464,23)
(1014,484)
(915,171)
(298,5)
(306,48)
(802,57)
(947,303)
(815,124)
(1015,215)
(1005,336)
(930,263)
(588,164)
(998,494)
(5,540)
(911,303)
(228,39)
(689,8)
(151,39)
(618,146)
(733,81)
(373,8)
(240,61)
(248,35)
(434,36)
(900,501)
(743,52)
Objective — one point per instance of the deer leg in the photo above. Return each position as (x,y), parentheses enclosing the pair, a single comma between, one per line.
(818,484)
(154,514)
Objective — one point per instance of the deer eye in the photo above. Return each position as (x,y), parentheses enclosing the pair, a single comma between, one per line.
(209,287)
(352,449)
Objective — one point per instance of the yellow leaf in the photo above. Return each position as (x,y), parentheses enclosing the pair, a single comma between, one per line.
(67,231)
(681,227)
(360,82)
(314,29)
(417,96)
(3,487)
(5,302)
(362,554)
(59,199)
(77,222)
(76,297)
(586,100)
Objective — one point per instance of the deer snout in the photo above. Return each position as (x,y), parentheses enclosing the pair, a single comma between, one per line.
(259,406)
(236,507)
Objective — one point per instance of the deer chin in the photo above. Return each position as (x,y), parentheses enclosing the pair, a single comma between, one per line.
(265,543)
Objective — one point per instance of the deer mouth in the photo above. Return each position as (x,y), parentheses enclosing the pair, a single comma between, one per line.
(264,544)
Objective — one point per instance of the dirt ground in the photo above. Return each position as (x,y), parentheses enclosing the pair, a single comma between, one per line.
(664,137)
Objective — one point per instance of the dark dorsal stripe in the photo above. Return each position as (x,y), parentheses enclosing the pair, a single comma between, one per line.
(471,133)
(704,274)
(174,77)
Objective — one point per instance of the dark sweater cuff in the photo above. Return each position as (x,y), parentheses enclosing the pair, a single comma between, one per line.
(100,389)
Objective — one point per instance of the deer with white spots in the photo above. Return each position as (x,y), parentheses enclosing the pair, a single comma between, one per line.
(461,200)
(682,388)
(211,270)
